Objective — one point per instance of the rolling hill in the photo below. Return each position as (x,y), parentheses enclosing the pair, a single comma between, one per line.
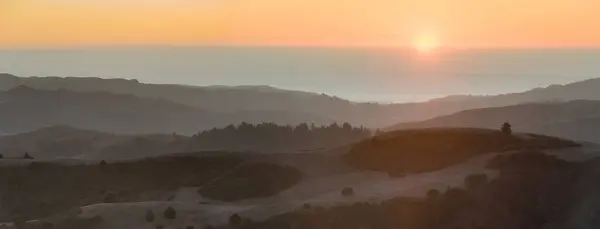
(24,109)
(578,120)
(259,101)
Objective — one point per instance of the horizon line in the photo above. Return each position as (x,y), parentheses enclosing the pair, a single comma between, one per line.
(440,96)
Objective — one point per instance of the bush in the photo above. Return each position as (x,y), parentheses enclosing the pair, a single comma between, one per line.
(27,156)
(433,193)
(170,213)
(47,225)
(306,206)
(1,156)
(235,220)
(189,227)
(475,181)
(111,197)
(160,226)
(149,216)
(19,222)
(348,192)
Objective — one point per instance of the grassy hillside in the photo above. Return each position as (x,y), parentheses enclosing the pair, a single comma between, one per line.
(533,190)
(38,189)
(432,149)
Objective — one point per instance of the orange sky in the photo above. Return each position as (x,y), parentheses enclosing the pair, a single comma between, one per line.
(492,23)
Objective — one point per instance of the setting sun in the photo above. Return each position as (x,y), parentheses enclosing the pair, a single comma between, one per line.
(426,43)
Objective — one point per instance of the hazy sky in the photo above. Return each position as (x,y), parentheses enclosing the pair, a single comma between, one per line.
(496,23)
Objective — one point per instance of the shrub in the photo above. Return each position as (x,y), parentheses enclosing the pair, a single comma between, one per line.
(19,222)
(348,192)
(47,225)
(103,163)
(506,128)
(189,227)
(170,213)
(475,181)
(160,226)
(306,206)
(149,216)
(235,220)
(433,193)
(27,156)
(111,197)
(1,156)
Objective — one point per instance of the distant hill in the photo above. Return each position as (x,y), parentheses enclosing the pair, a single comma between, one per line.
(67,142)
(24,109)
(582,90)
(578,120)
(257,102)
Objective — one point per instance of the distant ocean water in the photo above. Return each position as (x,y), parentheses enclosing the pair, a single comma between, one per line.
(385,75)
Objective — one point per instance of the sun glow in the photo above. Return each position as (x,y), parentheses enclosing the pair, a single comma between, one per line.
(426,43)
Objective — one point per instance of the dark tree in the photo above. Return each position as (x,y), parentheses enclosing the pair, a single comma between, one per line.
(170,213)
(506,128)
(1,156)
(433,193)
(235,220)
(475,181)
(27,156)
(19,222)
(150,216)
(348,192)
(110,198)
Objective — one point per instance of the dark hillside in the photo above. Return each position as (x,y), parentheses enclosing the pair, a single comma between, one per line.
(39,189)
(533,191)
(432,149)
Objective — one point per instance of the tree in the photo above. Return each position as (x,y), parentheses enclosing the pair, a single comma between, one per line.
(110,198)
(235,220)
(150,216)
(348,192)
(170,213)
(1,156)
(433,193)
(19,222)
(506,128)
(27,156)
(475,181)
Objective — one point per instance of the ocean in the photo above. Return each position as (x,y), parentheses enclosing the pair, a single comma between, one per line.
(359,74)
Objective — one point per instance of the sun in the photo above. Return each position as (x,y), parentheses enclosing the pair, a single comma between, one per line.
(426,43)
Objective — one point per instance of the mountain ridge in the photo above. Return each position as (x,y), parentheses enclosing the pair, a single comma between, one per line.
(262,98)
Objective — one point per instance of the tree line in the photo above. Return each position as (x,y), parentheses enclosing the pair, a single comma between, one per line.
(273,137)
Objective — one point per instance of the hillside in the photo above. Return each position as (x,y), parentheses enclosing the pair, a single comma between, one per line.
(532,190)
(38,189)
(68,142)
(578,120)
(425,150)
(206,188)
(261,100)
(582,90)
(25,109)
